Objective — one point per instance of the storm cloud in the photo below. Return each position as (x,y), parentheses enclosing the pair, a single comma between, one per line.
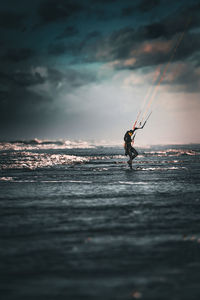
(35,98)
(12,20)
(148,45)
(14,55)
(69,31)
(58,10)
(147,5)
(64,62)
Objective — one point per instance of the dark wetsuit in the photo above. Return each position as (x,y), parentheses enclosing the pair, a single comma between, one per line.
(129,150)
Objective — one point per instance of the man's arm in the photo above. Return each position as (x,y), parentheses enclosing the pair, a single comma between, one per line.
(133,139)
(136,128)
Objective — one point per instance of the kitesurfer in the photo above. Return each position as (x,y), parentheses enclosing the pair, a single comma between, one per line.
(129,150)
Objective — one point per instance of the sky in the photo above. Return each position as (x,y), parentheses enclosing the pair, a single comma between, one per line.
(72,69)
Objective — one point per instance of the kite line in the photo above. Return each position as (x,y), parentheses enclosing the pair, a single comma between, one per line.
(150,96)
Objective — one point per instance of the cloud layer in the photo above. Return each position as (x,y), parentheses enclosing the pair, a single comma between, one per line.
(66,62)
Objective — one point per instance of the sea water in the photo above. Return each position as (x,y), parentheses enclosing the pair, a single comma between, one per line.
(77,223)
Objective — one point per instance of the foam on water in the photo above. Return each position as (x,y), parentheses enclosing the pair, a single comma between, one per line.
(6,178)
(172,152)
(45,144)
(31,160)
(162,168)
(20,155)
(131,182)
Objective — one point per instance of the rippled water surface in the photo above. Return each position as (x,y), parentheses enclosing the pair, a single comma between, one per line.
(77,223)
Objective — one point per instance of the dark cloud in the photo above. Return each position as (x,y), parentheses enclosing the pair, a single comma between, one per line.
(160,52)
(70,78)
(69,31)
(74,48)
(17,55)
(19,79)
(78,79)
(115,46)
(101,13)
(26,104)
(11,20)
(189,46)
(184,77)
(55,76)
(147,5)
(57,49)
(182,20)
(27,79)
(23,110)
(103,1)
(33,93)
(128,11)
(145,46)
(153,31)
(150,44)
(93,35)
(94,47)
(19,104)
(121,43)
(58,10)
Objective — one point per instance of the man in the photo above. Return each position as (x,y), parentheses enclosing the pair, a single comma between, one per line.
(129,150)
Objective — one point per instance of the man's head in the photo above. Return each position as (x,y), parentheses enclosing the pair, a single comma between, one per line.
(130,132)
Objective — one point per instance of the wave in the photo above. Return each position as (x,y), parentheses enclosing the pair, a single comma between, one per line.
(37,144)
(45,181)
(160,168)
(34,160)
(45,144)
(29,160)
(25,155)
(171,152)
(6,178)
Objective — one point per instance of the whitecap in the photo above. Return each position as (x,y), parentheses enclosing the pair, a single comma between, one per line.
(131,182)
(29,160)
(37,144)
(6,178)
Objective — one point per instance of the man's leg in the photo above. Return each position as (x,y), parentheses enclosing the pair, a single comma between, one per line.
(135,153)
(126,149)
(131,157)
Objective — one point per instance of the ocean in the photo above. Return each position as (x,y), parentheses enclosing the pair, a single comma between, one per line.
(77,223)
